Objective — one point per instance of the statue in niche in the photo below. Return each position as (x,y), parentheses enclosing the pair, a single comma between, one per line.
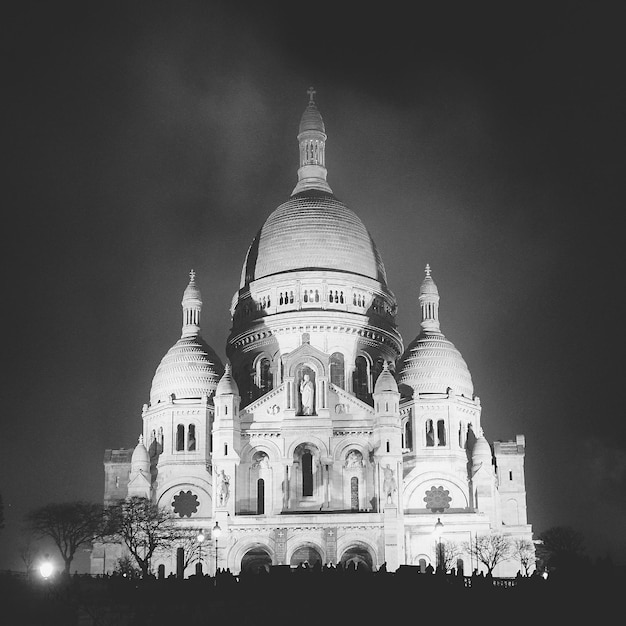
(261,461)
(389,484)
(354,459)
(307,395)
(223,487)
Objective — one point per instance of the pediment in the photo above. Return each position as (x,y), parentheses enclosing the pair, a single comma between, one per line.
(306,354)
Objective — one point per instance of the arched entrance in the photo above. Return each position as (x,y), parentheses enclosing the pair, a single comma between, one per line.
(254,560)
(305,554)
(357,556)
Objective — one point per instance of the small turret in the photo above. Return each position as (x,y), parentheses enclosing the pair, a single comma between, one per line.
(192,307)
(312,141)
(429,303)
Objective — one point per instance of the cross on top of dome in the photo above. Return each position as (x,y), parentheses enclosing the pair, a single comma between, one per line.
(311,91)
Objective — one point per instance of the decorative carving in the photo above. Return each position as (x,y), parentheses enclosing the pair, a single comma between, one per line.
(260,461)
(437,499)
(354,460)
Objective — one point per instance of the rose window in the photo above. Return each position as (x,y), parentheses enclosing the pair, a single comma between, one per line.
(437,499)
(185,503)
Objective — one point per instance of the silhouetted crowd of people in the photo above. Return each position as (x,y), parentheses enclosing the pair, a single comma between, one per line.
(311,594)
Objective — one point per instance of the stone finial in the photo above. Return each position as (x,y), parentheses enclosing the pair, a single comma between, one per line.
(311,91)
(427,270)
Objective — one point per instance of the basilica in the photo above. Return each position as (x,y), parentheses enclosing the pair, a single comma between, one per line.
(323,438)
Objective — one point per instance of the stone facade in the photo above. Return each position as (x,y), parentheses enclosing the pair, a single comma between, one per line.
(322,439)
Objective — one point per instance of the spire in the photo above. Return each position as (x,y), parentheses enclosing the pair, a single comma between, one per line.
(312,140)
(192,306)
(429,302)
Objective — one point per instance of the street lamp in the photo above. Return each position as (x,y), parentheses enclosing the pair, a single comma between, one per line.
(46,569)
(217,531)
(200,539)
(438,532)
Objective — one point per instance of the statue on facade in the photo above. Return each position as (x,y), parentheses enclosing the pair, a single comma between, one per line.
(223,487)
(389,484)
(306,393)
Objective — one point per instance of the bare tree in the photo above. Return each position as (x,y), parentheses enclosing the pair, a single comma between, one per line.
(489,549)
(26,550)
(450,552)
(524,551)
(69,524)
(562,548)
(187,539)
(144,528)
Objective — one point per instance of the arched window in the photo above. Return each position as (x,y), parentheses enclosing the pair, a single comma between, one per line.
(360,382)
(191,438)
(408,434)
(441,433)
(354,494)
(430,435)
(337,370)
(180,437)
(307,474)
(260,496)
(265,376)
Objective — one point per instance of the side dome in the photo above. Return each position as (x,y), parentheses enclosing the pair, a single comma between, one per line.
(481,451)
(227,384)
(313,230)
(191,368)
(431,363)
(140,459)
(385,381)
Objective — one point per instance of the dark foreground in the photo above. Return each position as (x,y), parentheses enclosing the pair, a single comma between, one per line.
(298,598)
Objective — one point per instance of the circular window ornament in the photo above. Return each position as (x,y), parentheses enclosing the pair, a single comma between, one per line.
(185,504)
(437,499)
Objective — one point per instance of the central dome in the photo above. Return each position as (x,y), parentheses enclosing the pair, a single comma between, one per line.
(313,230)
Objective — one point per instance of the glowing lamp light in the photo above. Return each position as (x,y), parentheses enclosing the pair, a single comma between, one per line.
(200,537)
(217,531)
(46,569)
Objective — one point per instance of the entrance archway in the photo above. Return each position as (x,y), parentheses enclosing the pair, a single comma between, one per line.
(255,560)
(305,554)
(357,556)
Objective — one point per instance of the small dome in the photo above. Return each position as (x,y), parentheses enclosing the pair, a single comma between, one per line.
(140,459)
(190,369)
(481,451)
(386,381)
(428,287)
(192,293)
(227,384)
(311,118)
(431,364)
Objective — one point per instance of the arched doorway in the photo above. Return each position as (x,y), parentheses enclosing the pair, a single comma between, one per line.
(254,560)
(305,554)
(357,556)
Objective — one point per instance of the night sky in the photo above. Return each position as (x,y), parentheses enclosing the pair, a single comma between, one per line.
(144,139)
